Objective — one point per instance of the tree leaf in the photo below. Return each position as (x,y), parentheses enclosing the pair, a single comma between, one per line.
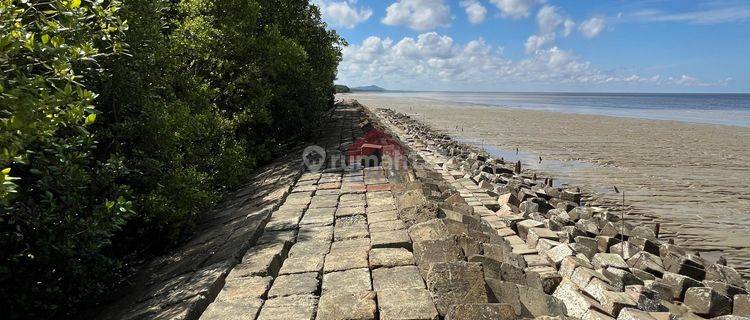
(75,4)
(90,119)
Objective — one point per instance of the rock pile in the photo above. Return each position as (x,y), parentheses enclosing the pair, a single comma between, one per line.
(493,241)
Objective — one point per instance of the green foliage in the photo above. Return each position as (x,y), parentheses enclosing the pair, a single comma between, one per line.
(112,132)
(340,88)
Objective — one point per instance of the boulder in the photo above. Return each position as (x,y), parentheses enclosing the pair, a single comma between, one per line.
(707,302)
(456,282)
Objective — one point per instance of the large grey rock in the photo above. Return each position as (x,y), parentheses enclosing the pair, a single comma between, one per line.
(705,301)
(456,282)
(428,252)
(680,284)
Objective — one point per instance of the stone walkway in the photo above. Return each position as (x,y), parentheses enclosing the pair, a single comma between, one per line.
(335,249)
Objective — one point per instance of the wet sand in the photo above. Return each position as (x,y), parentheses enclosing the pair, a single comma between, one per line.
(692,178)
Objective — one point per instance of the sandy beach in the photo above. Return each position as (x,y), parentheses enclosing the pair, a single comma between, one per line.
(692,178)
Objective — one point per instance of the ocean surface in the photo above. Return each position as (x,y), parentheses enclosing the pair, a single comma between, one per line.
(721,109)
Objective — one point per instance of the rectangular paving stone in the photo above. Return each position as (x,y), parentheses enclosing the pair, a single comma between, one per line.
(235,310)
(350,232)
(380,216)
(347,305)
(285,236)
(244,289)
(352,280)
(315,233)
(406,304)
(312,247)
(345,259)
(350,211)
(295,284)
(363,243)
(302,264)
(390,257)
(404,277)
(391,239)
(298,307)
(386,225)
(318,216)
(260,260)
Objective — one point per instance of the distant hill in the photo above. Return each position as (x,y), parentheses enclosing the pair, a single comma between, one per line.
(369,88)
(340,88)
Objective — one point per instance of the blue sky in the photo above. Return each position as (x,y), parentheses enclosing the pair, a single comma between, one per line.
(544,45)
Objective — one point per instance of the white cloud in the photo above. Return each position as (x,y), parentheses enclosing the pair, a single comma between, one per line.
(475,11)
(432,59)
(343,13)
(515,9)
(733,12)
(592,27)
(418,14)
(536,42)
(568,26)
(548,19)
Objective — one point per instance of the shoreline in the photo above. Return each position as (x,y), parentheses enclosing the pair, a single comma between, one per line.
(689,177)
(644,113)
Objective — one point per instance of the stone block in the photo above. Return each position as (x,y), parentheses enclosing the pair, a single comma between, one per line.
(260,260)
(244,289)
(620,278)
(454,283)
(302,264)
(741,305)
(387,226)
(707,302)
(311,248)
(557,254)
(353,280)
(647,262)
(680,284)
(347,305)
(232,310)
(390,239)
(635,314)
(405,277)
(612,302)
(428,252)
(544,278)
(390,257)
(290,307)
(294,284)
(406,304)
(606,260)
(500,311)
(536,234)
(525,225)
(576,303)
(353,258)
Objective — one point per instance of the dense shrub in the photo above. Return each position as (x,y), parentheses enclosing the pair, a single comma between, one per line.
(115,132)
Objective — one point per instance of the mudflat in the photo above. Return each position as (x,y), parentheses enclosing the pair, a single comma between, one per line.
(692,178)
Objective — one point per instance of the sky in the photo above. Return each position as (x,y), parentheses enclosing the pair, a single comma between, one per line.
(544,45)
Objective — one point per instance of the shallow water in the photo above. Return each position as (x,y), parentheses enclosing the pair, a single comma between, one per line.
(723,109)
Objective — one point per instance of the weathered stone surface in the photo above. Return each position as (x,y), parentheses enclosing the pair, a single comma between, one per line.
(535,303)
(244,289)
(405,277)
(604,260)
(479,311)
(576,303)
(294,284)
(430,230)
(635,314)
(390,257)
(353,280)
(612,302)
(235,310)
(557,254)
(302,264)
(291,307)
(261,260)
(345,259)
(428,252)
(313,248)
(456,282)
(647,262)
(680,284)
(406,304)
(315,233)
(387,226)
(646,299)
(524,226)
(536,234)
(705,301)
(544,278)
(390,239)
(347,306)
(741,305)
(570,263)
(726,274)
(620,278)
